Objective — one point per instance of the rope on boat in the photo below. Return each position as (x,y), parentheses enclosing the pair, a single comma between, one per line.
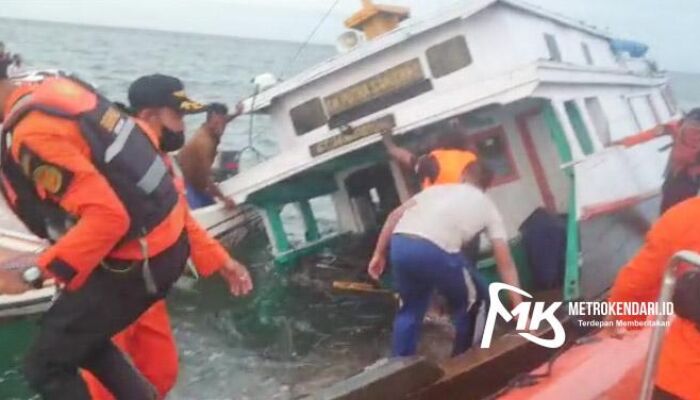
(311,35)
(251,147)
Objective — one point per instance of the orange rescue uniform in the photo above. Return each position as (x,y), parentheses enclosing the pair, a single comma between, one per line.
(149,341)
(103,221)
(640,281)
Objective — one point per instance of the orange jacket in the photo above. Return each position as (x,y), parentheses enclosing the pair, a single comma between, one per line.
(450,166)
(640,280)
(102,218)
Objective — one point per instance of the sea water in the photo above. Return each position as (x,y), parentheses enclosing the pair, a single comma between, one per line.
(290,337)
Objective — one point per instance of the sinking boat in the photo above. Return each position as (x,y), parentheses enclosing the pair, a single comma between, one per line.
(549,102)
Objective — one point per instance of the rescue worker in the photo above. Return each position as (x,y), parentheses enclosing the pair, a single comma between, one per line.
(640,281)
(149,341)
(84,175)
(683,175)
(426,235)
(197,158)
(443,164)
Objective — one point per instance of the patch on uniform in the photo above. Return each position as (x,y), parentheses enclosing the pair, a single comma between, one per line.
(110,119)
(52,178)
(49,177)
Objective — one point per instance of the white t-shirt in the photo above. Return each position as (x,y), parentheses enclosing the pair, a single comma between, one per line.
(451,216)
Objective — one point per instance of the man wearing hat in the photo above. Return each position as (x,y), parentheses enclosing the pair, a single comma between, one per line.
(159,104)
(82,174)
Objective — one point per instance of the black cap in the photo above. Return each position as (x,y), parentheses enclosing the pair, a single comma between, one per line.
(152,91)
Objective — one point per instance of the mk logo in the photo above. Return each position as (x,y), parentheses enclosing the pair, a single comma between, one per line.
(521,312)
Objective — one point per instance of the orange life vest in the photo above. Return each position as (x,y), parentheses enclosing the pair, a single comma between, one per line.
(448,166)
(120,150)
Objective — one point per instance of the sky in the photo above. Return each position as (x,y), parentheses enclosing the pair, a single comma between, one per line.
(668,26)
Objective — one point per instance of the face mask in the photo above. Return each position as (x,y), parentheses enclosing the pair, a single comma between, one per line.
(171,140)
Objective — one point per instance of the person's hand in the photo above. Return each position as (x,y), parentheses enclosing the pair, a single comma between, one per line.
(237,277)
(239,108)
(376,266)
(11,282)
(229,203)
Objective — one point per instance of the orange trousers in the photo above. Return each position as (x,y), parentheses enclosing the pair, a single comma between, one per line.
(150,344)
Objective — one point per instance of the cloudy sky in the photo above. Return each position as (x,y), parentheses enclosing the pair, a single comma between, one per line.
(669,26)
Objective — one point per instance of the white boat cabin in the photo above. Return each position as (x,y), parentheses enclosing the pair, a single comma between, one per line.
(546,99)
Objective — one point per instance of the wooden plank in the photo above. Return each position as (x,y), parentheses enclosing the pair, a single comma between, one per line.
(394,379)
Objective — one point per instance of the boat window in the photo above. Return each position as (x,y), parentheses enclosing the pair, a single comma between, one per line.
(654,111)
(582,134)
(494,150)
(587,53)
(669,99)
(635,117)
(599,119)
(308,116)
(644,114)
(449,56)
(553,47)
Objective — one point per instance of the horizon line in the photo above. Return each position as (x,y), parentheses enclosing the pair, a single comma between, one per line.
(158,30)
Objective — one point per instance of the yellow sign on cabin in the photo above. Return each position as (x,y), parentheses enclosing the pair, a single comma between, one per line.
(350,135)
(391,80)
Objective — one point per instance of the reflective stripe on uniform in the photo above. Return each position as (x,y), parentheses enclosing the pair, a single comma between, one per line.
(123,134)
(152,178)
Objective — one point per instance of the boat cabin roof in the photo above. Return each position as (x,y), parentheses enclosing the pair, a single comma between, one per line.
(264,99)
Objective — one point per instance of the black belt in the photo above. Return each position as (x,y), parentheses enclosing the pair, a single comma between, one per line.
(114,265)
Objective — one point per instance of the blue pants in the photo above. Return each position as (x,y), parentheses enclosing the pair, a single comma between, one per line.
(419,267)
(197,199)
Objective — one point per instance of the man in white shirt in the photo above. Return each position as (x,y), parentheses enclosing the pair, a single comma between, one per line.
(426,235)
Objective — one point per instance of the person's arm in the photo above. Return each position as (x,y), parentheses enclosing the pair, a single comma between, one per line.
(403,157)
(496,231)
(68,176)
(378,262)
(236,113)
(199,159)
(506,268)
(209,256)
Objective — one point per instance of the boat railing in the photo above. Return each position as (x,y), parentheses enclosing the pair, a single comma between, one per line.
(668,285)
